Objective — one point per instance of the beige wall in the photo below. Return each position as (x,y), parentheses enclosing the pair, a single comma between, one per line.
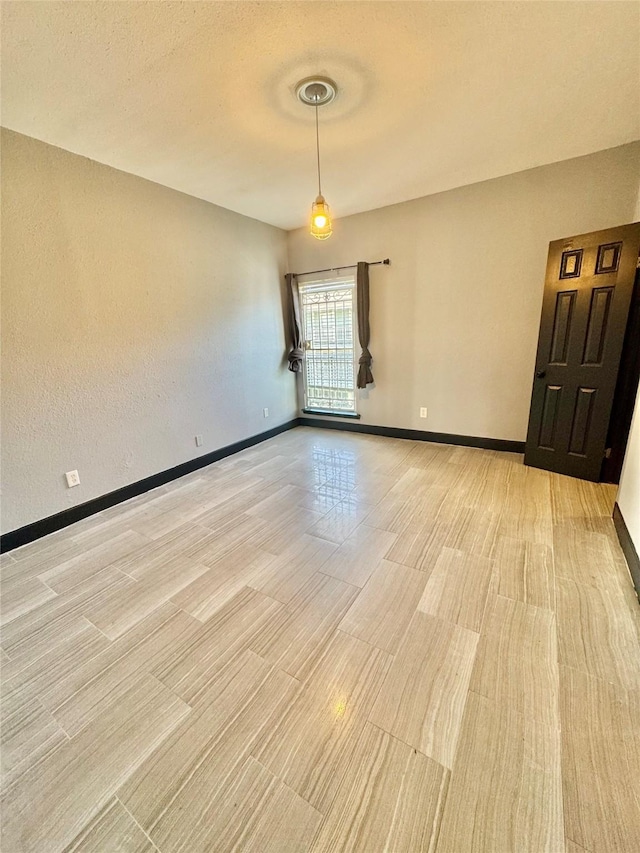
(629,492)
(455,317)
(134,317)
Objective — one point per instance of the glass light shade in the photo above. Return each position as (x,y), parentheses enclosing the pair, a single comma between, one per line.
(320,219)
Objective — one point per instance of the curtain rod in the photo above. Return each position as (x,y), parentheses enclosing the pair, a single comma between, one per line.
(386,262)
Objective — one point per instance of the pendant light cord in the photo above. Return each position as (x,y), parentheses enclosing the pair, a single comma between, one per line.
(318,150)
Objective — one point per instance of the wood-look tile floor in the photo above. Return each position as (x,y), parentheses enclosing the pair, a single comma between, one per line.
(328,642)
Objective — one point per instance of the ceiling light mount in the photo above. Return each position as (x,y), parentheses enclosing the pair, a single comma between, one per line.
(316,91)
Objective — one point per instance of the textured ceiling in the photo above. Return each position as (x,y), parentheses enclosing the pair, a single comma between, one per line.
(433,95)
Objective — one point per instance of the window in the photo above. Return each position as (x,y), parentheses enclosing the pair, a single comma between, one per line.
(328,332)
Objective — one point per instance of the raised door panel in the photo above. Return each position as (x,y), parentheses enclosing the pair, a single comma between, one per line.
(582,419)
(549,420)
(565,302)
(597,325)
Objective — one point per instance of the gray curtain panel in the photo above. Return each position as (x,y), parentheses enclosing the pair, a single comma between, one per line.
(295,324)
(365,377)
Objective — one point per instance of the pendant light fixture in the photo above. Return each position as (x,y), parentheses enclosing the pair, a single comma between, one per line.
(316,92)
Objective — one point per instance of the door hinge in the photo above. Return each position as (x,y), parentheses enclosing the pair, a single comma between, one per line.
(607,453)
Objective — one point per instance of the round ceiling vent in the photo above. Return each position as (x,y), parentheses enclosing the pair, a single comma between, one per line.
(316,91)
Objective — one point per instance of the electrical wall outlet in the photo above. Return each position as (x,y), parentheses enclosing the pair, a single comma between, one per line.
(265,412)
(198,441)
(423,412)
(73,479)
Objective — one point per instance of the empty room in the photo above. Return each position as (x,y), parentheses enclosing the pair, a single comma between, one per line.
(320,449)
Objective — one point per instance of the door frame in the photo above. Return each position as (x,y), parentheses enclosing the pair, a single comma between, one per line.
(624,397)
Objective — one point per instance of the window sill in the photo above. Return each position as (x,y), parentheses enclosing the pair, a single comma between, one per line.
(354,416)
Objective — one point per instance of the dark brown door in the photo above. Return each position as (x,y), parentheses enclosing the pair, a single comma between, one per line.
(587,293)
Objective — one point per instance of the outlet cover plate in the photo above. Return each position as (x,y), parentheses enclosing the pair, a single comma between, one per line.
(73,479)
